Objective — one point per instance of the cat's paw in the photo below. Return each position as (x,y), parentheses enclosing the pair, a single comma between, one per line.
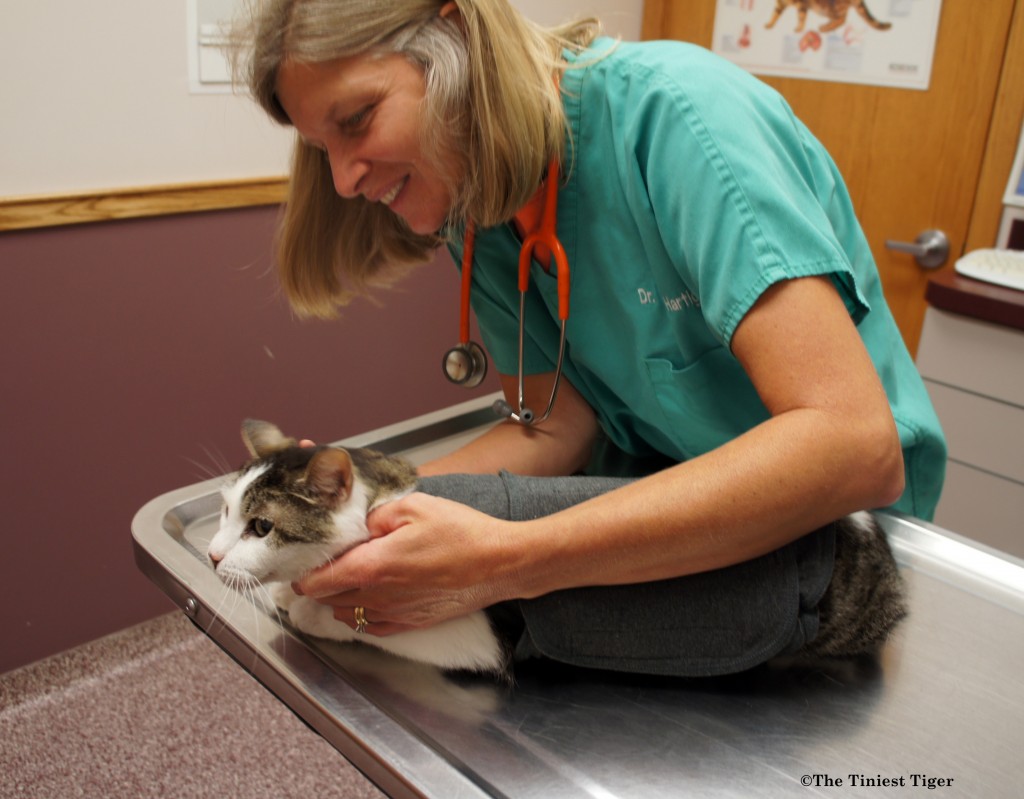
(283,596)
(312,618)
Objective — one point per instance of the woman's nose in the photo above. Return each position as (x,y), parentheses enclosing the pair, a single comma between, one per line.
(347,172)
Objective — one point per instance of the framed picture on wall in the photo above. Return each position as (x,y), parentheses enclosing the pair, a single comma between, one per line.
(1011,230)
(1015,188)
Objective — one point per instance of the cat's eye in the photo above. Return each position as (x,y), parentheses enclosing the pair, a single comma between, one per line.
(262,527)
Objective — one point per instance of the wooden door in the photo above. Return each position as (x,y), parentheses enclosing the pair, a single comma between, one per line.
(912,159)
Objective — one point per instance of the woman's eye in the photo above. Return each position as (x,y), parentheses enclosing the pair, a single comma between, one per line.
(262,527)
(357,120)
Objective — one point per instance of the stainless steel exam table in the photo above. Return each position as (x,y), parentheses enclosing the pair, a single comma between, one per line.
(942,711)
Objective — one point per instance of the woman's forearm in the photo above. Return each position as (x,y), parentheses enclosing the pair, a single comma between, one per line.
(560,445)
(781,480)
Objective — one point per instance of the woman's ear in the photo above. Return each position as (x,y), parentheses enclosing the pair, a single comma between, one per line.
(450,11)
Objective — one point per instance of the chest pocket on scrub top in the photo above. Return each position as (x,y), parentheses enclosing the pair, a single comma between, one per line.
(707,403)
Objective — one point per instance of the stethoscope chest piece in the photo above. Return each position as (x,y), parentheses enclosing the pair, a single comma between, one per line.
(465,364)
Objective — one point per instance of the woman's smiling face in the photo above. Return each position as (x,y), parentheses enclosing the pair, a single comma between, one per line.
(364,112)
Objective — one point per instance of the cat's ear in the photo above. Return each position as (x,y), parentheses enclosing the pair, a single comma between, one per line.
(263,438)
(329,474)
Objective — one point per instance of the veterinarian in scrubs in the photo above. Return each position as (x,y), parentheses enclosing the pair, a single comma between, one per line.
(727,325)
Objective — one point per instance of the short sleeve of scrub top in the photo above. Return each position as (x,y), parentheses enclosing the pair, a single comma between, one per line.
(691,189)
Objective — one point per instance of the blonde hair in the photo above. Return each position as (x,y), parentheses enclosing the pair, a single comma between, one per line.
(490,104)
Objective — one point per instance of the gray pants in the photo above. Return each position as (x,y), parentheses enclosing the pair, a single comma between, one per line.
(707,624)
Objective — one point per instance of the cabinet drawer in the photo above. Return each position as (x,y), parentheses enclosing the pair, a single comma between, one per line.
(984,507)
(983,433)
(981,357)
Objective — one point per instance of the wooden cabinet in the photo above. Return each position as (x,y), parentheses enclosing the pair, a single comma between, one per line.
(974,370)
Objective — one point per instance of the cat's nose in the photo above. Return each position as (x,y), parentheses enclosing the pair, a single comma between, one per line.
(215,558)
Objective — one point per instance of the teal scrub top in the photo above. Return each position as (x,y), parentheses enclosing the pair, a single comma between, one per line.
(690,189)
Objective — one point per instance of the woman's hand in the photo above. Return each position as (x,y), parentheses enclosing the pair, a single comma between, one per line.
(428,560)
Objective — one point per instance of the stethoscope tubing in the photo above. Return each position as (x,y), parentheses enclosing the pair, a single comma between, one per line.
(465,363)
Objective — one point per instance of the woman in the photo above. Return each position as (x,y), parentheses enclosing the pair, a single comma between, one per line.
(726,316)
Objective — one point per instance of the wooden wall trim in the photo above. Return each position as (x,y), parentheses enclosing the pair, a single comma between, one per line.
(20,213)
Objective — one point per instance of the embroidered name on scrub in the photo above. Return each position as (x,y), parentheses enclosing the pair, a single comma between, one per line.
(686,299)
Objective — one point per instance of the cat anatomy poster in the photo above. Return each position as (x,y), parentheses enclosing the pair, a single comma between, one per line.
(879,42)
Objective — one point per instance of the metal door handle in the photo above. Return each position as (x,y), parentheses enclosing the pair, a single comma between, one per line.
(930,249)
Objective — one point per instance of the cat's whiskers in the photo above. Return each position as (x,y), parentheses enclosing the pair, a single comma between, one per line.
(329,557)
(262,598)
(247,591)
(217,613)
(258,607)
(218,464)
(256,596)
(202,471)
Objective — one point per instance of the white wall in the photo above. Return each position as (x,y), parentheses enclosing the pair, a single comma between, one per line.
(95,95)
(620,17)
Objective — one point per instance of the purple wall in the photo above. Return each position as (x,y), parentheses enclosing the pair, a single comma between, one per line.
(130,353)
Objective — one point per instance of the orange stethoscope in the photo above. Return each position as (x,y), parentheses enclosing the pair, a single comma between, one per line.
(466,363)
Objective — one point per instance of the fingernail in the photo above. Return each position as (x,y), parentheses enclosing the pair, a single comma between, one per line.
(297,589)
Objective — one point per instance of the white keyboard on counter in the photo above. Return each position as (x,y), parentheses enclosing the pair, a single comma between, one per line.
(1003,267)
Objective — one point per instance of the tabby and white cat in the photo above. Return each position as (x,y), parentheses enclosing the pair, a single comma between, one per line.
(834,10)
(294,508)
